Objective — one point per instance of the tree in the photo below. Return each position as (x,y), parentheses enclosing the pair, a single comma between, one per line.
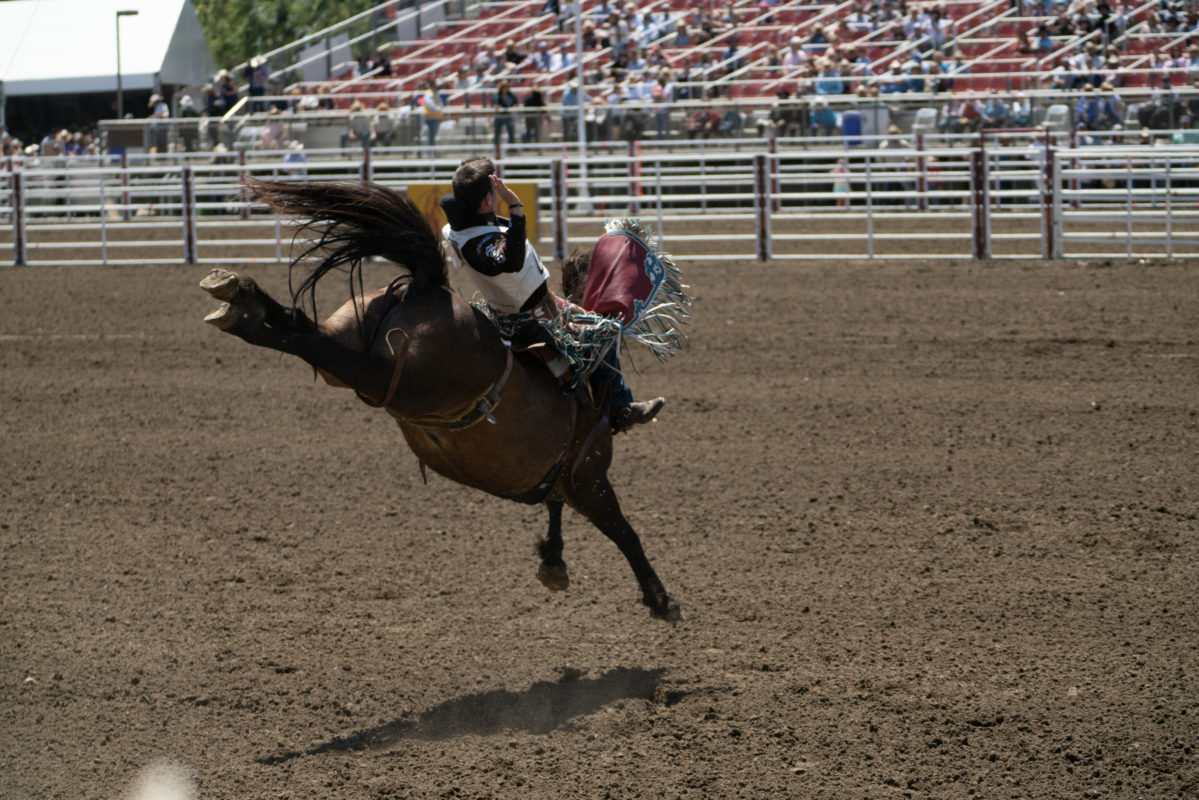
(240,29)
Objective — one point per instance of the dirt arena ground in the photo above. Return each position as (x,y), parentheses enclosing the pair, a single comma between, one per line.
(933,528)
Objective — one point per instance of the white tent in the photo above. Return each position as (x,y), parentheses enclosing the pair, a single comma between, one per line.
(57,47)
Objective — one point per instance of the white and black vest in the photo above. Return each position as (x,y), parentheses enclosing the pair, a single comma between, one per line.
(508,291)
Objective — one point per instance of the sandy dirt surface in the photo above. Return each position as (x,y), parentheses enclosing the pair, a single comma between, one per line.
(934,529)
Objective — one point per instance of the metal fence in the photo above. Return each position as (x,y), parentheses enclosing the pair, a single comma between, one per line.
(740,200)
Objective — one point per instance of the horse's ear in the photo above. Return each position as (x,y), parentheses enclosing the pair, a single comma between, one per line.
(574,275)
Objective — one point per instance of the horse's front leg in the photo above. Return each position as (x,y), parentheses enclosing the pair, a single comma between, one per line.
(599,504)
(552,572)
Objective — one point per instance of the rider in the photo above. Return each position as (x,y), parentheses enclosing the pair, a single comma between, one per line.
(511,277)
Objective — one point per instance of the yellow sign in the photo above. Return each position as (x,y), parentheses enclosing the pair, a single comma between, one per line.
(428,195)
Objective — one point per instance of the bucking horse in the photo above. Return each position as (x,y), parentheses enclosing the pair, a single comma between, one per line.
(470,407)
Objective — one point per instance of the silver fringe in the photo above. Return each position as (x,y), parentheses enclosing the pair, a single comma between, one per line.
(658,325)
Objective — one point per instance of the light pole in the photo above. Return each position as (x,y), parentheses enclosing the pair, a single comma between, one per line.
(120,92)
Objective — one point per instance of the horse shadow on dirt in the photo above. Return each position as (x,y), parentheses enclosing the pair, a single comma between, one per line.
(543,707)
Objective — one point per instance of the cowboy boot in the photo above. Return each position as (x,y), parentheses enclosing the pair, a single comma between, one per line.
(637,413)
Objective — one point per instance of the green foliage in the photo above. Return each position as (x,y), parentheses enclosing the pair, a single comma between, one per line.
(240,29)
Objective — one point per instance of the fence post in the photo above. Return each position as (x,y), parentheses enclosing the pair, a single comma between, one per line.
(189,216)
(980,201)
(773,147)
(124,186)
(243,192)
(367,167)
(558,203)
(18,220)
(634,175)
(1048,206)
(922,173)
(762,205)
(1074,201)
(870,210)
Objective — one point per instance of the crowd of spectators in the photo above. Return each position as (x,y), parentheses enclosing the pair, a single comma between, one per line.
(55,147)
(643,59)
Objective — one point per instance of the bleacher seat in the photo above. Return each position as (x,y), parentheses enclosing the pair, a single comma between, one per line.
(925,122)
(1057,117)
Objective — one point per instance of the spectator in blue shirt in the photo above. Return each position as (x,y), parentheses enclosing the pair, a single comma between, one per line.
(828,80)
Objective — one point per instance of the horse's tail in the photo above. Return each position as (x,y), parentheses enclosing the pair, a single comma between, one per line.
(354,221)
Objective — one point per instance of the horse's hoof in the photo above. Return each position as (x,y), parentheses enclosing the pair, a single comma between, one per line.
(221,284)
(554,577)
(668,611)
(224,317)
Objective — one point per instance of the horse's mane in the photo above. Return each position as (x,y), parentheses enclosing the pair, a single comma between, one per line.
(574,275)
(348,222)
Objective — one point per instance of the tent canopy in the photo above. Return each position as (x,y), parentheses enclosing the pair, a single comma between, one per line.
(52,47)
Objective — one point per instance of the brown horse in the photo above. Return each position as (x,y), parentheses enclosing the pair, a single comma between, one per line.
(470,408)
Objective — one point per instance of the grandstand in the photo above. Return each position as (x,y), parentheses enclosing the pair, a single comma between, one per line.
(737,55)
(874,63)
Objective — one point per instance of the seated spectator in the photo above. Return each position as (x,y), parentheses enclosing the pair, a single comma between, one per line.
(828,80)
(784,119)
(274,132)
(1112,74)
(514,53)
(560,59)
(591,39)
(1060,77)
(1086,112)
(995,111)
(1024,45)
(1111,107)
(935,67)
(297,159)
(1192,61)
(382,65)
(358,126)
(541,56)
(859,21)
(703,124)
(825,121)
(1020,115)
(935,30)
(638,60)
(966,117)
(956,66)
(384,127)
(658,23)
(794,55)
(818,41)
(805,82)
(483,59)
(893,81)
(1186,134)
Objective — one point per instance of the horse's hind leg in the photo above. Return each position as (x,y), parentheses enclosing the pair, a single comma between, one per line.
(552,571)
(243,296)
(601,507)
